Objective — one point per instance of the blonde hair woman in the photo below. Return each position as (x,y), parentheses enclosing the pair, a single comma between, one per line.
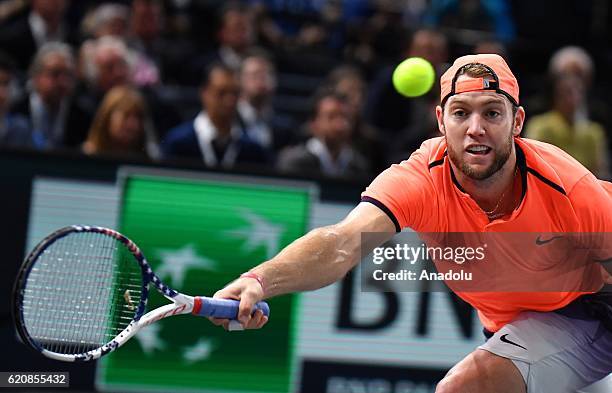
(122,126)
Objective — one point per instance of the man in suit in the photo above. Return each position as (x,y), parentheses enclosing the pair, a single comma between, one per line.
(258,88)
(217,135)
(44,23)
(234,37)
(14,130)
(56,120)
(329,151)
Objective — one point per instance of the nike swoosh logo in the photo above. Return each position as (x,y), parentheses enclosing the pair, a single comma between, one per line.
(539,241)
(504,339)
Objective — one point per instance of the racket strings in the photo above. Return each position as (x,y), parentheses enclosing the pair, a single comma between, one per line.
(81,292)
(52,319)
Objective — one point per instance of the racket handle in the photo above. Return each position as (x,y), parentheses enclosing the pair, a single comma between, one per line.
(222,308)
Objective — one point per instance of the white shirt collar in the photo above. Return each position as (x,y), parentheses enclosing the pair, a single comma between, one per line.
(230,57)
(328,164)
(247,111)
(256,127)
(39,30)
(206,132)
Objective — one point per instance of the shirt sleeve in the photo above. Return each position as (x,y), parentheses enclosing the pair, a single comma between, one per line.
(405,192)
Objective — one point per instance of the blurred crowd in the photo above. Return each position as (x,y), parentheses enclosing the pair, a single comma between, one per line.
(297,86)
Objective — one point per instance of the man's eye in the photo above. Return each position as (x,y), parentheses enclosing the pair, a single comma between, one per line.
(459,113)
(493,114)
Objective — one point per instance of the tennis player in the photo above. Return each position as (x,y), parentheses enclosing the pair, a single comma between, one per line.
(480,176)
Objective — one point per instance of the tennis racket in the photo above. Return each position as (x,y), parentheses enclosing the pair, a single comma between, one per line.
(82,293)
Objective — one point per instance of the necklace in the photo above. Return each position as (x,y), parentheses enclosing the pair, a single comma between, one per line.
(491,214)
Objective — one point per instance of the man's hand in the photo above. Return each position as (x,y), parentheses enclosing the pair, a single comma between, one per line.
(319,258)
(249,292)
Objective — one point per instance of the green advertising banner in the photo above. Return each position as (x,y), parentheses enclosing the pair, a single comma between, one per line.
(198,235)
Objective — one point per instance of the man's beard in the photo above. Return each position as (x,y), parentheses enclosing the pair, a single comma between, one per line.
(501,156)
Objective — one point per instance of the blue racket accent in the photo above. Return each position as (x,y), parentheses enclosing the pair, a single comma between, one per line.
(223,308)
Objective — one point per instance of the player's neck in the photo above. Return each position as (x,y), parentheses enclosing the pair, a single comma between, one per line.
(496,194)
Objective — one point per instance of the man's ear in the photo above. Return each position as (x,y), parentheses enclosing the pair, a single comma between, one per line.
(440,118)
(519,121)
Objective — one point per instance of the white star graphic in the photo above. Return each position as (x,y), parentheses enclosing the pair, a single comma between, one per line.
(260,232)
(149,339)
(200,351)
(176,262)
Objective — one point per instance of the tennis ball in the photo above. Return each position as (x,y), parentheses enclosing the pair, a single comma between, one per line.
(413,77)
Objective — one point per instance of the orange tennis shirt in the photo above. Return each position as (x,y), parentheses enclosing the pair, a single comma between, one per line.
(559,195)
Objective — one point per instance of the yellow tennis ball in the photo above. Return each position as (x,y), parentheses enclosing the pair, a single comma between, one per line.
(413,77)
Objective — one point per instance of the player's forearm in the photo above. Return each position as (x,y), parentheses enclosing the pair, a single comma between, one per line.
(317,259)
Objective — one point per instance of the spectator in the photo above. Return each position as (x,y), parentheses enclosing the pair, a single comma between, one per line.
(104,63)
(44,23)
(122,126)
(568,127)
(107,19)
(217,135)
(431,45)
(408,121)
(163,33)
(146,24)
(258,86)
(14,130)
(146,21)
(377,41)
(235,36)
(577,61)
(386,108)
(138,29)
(589,113)
(572,60)
(329,151)
(108,62)
(56,119)
(349,81)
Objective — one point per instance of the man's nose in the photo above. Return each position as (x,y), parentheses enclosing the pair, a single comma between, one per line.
(475,126)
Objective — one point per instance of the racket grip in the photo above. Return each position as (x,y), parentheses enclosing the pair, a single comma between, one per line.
(223,308)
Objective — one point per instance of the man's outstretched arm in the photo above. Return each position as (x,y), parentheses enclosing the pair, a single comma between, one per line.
(319,258)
